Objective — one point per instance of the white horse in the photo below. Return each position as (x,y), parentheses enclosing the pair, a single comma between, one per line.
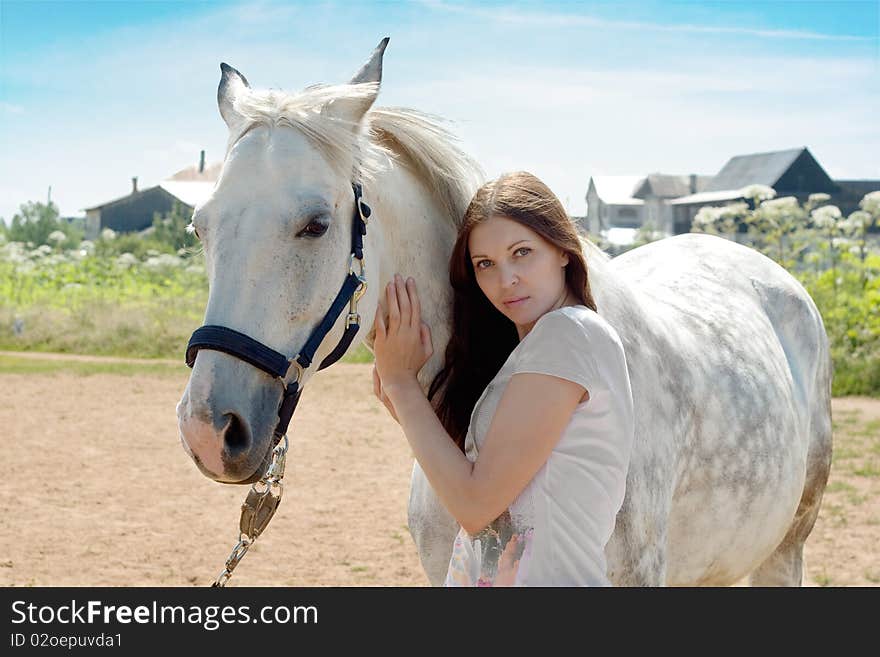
(727,354)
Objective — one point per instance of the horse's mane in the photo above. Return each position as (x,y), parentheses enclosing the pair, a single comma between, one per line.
(413,138)
(386,134)
(421,141)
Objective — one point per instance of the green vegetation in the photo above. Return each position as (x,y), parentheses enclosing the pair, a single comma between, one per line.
(833,258)
(127,294)
(143,294)
(23,365)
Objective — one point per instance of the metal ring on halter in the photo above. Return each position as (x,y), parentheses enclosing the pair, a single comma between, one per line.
(294,365)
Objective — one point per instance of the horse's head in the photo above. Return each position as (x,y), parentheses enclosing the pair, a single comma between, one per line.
(277,235)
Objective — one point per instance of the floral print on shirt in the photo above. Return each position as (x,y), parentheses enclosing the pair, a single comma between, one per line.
(500,552)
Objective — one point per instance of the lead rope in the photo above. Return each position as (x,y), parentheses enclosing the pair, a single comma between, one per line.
(257,510)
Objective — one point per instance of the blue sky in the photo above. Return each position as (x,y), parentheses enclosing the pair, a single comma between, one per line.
(93,93)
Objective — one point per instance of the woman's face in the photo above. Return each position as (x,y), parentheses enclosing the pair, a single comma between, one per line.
(521,273)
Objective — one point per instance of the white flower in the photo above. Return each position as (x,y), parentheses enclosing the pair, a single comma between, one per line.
(126,260)
(706,216)
(165,260)
(57,236)
(816,199)
(784,204)
(757,192)
(826,216)
(871,203)
(858,221)
(41,251)
(108,234)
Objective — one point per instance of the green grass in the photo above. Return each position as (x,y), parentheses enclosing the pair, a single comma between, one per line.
(823,579)
(18,365)
(868,470)
(840,486)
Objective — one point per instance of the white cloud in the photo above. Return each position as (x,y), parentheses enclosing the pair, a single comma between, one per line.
(11,108)
(150,102)
(564,20)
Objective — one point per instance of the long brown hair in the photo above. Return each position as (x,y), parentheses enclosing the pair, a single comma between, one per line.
(482,337)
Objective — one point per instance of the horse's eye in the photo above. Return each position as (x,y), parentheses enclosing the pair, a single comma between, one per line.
(314,229)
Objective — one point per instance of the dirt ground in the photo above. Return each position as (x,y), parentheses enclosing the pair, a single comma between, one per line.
(98,491)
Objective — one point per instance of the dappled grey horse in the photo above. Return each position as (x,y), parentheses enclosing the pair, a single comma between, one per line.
(727,354)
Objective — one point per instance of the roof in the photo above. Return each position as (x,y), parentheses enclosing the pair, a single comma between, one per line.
(621,236)
(754,169)
(192,193)
(670,186)
(862,186)
(709,197)
(188,185)
(191,173)
(617,190)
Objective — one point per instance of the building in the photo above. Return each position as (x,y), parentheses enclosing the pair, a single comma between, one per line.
(135,211)
(670,202)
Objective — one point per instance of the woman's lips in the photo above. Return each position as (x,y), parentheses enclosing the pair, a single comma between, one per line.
(518,302)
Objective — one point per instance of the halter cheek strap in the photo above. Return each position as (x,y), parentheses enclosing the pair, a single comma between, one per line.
(244,347)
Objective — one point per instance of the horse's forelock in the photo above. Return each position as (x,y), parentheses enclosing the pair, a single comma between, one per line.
(310,112)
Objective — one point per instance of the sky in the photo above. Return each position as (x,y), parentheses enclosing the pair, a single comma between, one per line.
(94,93)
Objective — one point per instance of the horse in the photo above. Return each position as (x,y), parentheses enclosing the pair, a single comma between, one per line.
(727,354)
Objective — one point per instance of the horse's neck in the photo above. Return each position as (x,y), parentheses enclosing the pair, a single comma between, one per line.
(415,240)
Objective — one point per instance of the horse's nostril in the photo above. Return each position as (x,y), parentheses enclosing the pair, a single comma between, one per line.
(235,437)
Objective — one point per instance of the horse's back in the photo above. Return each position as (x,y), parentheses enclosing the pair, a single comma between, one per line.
(733,346)
(730,285)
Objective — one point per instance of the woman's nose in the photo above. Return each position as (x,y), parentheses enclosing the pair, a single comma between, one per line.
(509,277)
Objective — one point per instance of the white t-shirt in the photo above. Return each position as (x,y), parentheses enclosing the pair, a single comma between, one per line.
(565,515)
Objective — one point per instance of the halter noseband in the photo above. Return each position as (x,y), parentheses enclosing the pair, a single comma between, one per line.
(220,338)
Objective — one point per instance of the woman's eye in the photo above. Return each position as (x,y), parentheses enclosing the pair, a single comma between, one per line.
(523,248)
(480,264)
(314,229)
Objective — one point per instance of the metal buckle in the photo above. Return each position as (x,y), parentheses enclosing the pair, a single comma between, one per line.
(298,369)
(362,275)
(360,208)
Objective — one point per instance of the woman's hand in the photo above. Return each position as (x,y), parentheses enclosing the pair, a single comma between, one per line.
(403,346)
(380,394)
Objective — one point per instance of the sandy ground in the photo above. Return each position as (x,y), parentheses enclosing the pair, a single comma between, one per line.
(98,491)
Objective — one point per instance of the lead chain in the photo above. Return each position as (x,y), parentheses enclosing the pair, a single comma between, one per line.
(257,510)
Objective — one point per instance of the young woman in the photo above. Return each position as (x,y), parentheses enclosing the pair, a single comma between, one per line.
(526,432)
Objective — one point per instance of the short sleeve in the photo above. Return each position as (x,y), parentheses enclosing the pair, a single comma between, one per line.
(559,345)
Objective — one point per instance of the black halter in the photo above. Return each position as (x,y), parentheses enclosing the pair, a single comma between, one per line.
(270,361)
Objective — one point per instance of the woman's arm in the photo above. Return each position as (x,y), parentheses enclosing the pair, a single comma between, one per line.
(528,422)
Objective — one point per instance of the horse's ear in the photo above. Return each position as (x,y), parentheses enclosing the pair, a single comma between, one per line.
(232,83)
(371,71)
(352,109)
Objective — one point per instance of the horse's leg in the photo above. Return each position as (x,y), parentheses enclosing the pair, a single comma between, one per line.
(785,566)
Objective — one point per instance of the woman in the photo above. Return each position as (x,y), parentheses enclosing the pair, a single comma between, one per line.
(526,432)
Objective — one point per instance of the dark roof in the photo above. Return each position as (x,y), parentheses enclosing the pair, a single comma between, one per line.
(754,169)
(669,186)
(859,186)
(129,197)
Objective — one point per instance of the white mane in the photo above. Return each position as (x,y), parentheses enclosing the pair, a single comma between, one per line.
(418,140)
(412,138)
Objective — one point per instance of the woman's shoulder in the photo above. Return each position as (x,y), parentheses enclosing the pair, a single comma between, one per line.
(588,320)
